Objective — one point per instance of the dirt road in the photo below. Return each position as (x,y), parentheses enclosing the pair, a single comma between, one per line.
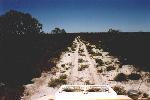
(80,69)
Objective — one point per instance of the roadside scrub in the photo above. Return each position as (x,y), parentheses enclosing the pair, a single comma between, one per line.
(58,81)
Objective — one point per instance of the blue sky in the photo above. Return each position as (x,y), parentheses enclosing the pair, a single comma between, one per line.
(85,15)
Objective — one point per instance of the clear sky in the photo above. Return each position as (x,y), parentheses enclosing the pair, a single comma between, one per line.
(85,15)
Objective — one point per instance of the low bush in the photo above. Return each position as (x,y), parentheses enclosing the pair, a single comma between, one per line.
(82,67)
(63,65)
(53,83)
(99,71)
(81,54)
(89,48)
(99,62)
(66,68)
(120,77)
(73,47)
(81,50)
(109,68)
(119,90)
(134,76)
(63,76)
(80,60)
(96,54)
(59,81)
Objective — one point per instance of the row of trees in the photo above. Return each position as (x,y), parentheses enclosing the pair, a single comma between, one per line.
(14,22)
(58,30)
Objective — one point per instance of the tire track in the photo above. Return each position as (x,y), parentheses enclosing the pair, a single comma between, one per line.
(92,69)
(74,70)
(79,77)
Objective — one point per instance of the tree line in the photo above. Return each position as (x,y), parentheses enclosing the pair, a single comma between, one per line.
(25,50)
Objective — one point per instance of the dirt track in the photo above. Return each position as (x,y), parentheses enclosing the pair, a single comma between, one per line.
(81,69)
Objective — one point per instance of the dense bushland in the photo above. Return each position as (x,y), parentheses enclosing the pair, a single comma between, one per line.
(23,58)
(130,47)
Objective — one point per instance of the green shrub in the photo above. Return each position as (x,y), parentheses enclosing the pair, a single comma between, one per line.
(89,48)
(80,60)
(63,76)
(62,81)
(73,47)
(81,54)
(96,54)
(63,65)
(59,81)
(99,71)
(134,76)
(92,52)
(120,77)
(109,68)
(81,50)
(53,83)
(82,67)
(67,68)
(119,90)
(97,66)
(56,82)
(99,62)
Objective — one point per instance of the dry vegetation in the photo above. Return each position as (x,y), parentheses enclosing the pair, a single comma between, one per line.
(119,90)
(120,77)
(82,67)
(59,81)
